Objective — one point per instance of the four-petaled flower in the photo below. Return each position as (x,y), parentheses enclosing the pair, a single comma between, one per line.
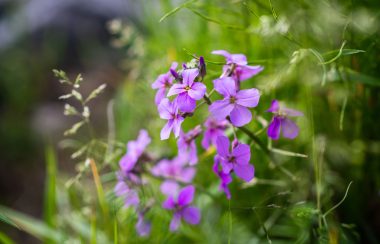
(182,209)
(235,103)
(188,91)
(237,66)
(214,129)
(281,123)
(169,111)
(236,160)
(186,144)
(162,83)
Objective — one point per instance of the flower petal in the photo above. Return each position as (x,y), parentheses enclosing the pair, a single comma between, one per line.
(176,221)
(177,126)
(165,109)
(132,198)
(169,188)
(289,129)
(169,203)
(225,86)
(185,103)
(189,76)
(221,109)
(143,227)
(244,72)
(222,146)
(275,128)
(165,132)
(242,154)
(176,89)
(245,172)
(248,98)
(239,59)
(159,82)
(197,91)
(160,95)
(224,53)
(274,106)
(192,215)
(240,116)
(186,195)
(291,112)
(226,166)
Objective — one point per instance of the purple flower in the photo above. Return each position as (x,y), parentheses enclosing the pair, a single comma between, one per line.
(163,82)
(169,111)
(280,122)
(237,160)
(237,66)
(173,171)
(235,103)
(188,91)
(225,179)
(131,198)
(214,129)
(143,226)
(182,209)
(186,144)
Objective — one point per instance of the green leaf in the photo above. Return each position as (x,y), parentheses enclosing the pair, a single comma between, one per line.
(175,10)
(288,153)
(50,203)
(5,239)
(7,220)
(352,76)
(35,227)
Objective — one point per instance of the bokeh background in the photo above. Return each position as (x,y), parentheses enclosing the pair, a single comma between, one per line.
(321,57)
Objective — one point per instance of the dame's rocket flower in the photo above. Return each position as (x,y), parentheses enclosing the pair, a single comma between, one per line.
(134,150)
(237,66)
(188,91)
(237,160)
(169,111)
(235,103)
(186,144)
(122,189)
(182,209)
(173,171)
(225,179)
(280,122)
(163,82)
(214,129)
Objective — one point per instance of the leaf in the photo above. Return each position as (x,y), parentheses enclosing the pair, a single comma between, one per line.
(73,129)
(175,10)
(5,239)
(352,76)
(7,220)
(33,226)
(287,153)
(95,93)
(214,20)
(50,203)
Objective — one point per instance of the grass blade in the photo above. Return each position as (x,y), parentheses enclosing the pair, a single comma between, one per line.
(175,10)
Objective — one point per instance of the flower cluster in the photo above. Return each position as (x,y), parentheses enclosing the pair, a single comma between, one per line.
(178,92)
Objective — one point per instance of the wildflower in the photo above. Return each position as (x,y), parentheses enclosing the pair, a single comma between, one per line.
(131,197)
(182,209)
(237,160)
(225,179)
(214,129)
(188,91)
(235,103)
(163,82)
(143,226)
(186,144)
(237,66)
(134,151)
(280,122)
(169,111)
(173,171)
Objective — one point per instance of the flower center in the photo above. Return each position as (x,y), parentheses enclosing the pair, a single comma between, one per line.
(232,99)
(232,159)
(187,88)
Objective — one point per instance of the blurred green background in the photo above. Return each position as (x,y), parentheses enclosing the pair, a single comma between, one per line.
(320,57)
